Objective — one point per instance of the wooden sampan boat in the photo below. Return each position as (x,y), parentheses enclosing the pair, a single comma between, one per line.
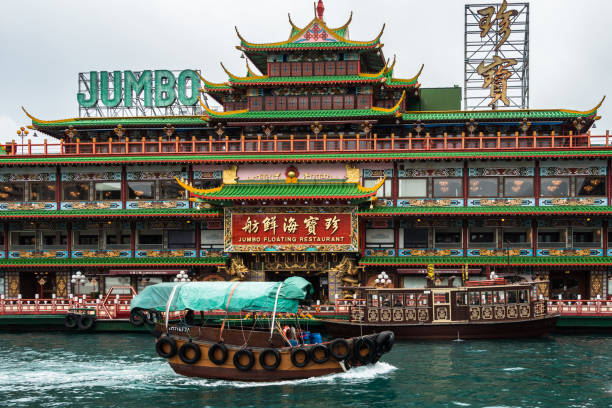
(263,354)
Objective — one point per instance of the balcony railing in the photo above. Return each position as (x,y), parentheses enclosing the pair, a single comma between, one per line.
(309,144)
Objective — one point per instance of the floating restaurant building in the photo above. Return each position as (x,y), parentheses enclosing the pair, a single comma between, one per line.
(322,163)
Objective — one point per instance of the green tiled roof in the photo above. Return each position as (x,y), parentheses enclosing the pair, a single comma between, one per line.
(107,213)
(491,114)
(302,114)
(305,79)
(310,157)
(312,45)
(110,261)
(256,191)
(484,260)
(136,121)
(491,210)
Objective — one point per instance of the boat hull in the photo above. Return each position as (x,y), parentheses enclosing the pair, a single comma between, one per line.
(508,329)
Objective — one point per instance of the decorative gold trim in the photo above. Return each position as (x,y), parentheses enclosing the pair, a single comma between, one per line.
(413,79)
(226,113)
(46,121)
(214,84)
(372,189)
(393,109)
(239,78)
(586,113)
(377,74)
(352,174)
(197,191)
(229,175)
(250,73)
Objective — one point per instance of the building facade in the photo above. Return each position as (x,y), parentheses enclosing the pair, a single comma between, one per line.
(322,164)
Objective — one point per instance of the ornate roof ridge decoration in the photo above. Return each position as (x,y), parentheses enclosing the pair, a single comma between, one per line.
(588,112)
(250,72)
(485,260)
(115,120)
(301,189)
(297,35)
(213,113)
(391,81)
(337,30)
(245,78)
(215,85)
(394,108)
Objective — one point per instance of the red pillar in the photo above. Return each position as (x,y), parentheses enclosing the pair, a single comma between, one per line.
(58,187)
(465,183)
(69,239)
(464,237)
(534,236)
(133,238)
(198,236)
(536,182)
(604,231)
(123,186)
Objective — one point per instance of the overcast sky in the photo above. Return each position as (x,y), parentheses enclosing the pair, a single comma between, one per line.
(45,44)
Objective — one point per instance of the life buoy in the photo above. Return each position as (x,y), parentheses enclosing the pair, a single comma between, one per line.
(70,321)
(364,343)
(212,353)
(240,353)
(334,345)
(162,343)
(137,317)
(295,352)
(318,349)
(197,353)
(277,359)
(86,322)
(384,342)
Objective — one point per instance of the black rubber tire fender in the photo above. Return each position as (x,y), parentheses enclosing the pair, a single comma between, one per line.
(361,343)
(86,322)
(244,352)
(150,317)
(137,317)
(190,346)
(313,354)
(159,347)
(277,357)
(294,353)
(384,342)
(339,356)
(213,349)
(70,321)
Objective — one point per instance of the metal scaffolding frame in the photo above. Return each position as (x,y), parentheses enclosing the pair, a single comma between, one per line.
(479,49)
(138,108)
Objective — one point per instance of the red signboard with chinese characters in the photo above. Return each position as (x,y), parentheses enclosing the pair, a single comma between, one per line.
(299,231)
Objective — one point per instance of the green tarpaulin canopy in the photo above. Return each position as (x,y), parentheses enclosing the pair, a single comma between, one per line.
(230,296)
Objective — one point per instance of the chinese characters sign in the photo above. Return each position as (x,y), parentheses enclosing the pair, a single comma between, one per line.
(503,22)
(295,231)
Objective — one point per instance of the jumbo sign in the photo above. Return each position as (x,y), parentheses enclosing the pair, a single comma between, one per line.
(159,88)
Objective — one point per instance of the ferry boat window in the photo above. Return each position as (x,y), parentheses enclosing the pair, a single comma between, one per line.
(138,190)
(554,186)
(75,192)
(587,237)
(512,296)
(441,298)
(516,236)
(107,191)
(384,191)
(518,187)
(398,299)
(447,187)
(410,299)
(590,186)
(474,298)
(23,239)
(413,187)
(170,190)
(486,298)
(41,191)
(523,296)
(499,297)
(423,299)
(483,187)
(116,281)
(550,238)
(482,237)
(461,298)
(12,192)
(416,237)
(446,237)
(385,300)
(181,239)
(373,300)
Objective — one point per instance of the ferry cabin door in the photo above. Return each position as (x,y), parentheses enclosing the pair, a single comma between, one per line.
(441,305)
(459,305)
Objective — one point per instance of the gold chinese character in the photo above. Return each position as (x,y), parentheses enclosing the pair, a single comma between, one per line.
(269,223)
(502,18)
(311,225)
(250,226)
(332,223)
(289,225)
(496,76)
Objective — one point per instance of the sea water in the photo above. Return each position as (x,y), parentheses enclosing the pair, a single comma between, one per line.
(122,370)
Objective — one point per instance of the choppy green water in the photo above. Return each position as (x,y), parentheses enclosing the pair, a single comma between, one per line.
(97,370)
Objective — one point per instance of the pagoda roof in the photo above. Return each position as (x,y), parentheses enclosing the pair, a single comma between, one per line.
(484,260)
(110,213)
(284,190)
(486,210)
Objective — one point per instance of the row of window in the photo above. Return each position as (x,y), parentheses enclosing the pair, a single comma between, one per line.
(483,237)
(113,239)
(482,187)
(312,102)
(97,191)
(317,68)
